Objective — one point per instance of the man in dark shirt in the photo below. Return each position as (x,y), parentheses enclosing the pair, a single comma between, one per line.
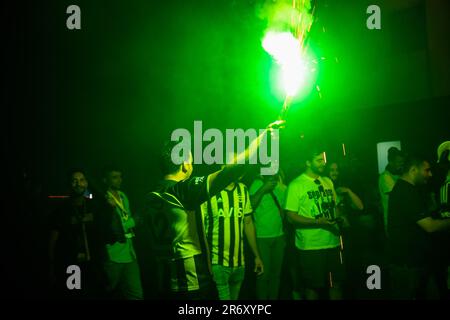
(176,228)
(74,241)
(409,226)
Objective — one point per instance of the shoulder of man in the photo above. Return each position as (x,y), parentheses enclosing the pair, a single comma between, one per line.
(386,176)
(300,180)
(123,195)
(243,185)
(401,190)
(192,182)
(157,200)
(297,186)
(328,181)
(244,188)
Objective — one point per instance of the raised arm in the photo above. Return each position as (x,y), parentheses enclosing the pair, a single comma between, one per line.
(217,181)
(267,186)
(434,225)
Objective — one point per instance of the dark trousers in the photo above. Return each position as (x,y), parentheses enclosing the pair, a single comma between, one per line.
(408,282)
(209,292)
(124,280)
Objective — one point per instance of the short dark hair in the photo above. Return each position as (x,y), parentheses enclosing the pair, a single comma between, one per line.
(412,160)
(312,150)
(394,152)
(165,158)
(108,169)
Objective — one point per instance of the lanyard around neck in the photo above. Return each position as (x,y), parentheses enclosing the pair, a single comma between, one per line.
(120,205)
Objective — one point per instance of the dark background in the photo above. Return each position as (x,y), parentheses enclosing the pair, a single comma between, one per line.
(114,90)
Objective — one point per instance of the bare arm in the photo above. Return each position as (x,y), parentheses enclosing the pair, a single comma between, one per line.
(434,225)
(249,229)
(256,198)
(355,201)
(219,180)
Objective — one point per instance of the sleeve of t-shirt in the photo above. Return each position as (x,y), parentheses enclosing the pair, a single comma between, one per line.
(192,192)
(227,175)
(416,208)
(256,185)
(386,183)
(292,202)
(248,206)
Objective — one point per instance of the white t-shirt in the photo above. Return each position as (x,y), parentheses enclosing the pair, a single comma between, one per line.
(310,199)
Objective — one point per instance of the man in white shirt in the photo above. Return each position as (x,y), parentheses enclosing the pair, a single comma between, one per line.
(310,207)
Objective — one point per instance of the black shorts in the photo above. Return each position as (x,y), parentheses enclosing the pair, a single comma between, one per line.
(319,269)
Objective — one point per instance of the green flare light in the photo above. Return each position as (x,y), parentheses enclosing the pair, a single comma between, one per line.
(286,50)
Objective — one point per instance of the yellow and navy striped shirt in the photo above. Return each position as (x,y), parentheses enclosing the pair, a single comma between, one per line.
(223,217)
